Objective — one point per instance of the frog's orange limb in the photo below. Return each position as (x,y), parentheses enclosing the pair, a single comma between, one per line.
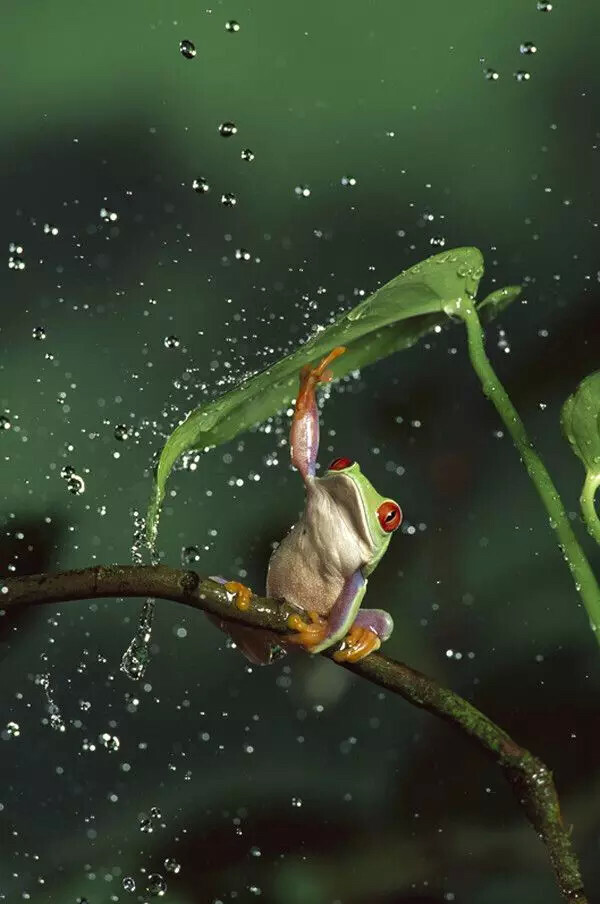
(311,376)
(358,643)
(307,634)
(243,594)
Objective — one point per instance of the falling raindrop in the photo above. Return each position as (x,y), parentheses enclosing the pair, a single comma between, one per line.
(39,333)
(172,866)
(200,185)
(190,555)
(137,655)
(172,342)
(247,155)
(128,883)
(76,485)
(121,432)
(227,129)
(544,6)
(242,255)
(111,742)
(491,75)
(67,471)
(527,47)
(228,199)
(348,180)
(187,49)
(13,729)
(5,423)
(232,26)
(302,191)
(522,76)
(156,885)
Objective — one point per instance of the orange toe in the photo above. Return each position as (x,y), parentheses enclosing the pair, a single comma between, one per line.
(243,594)
(307,634)
(358,643)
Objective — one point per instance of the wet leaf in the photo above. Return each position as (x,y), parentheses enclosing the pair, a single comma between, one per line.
(581,422)
(391,319)
(494,303)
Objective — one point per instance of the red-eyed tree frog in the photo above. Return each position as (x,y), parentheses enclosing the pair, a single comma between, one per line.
(321,566)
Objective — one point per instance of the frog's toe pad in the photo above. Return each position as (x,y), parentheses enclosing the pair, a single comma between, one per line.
(357,644)
(243,594)
(307,634)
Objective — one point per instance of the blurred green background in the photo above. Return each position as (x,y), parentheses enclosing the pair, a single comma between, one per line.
(296,783)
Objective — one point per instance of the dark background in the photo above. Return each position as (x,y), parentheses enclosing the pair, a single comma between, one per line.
(296,783)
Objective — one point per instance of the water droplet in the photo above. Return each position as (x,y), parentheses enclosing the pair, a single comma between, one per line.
(247,155)
(76,485)
(111,742)
(228,199)
(522,76)
(544,6)
(232,26)
(200,185)
(187,48)
(172,866)
(109,216)
(303,191)
(128,883)
(50,230)
(227,129)
(527,47)
(348,180)
(15,259)
(172,342)
(155,813)
(39,333)
(146,825)
(438,240)
(156,885)
(67,471)
(491,75)
(5,423)
(242,255)
(13,730)
(121,432)
(190,555)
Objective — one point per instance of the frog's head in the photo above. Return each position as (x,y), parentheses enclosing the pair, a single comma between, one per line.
(378,515)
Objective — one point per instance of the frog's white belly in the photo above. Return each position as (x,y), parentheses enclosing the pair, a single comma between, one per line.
(326,546)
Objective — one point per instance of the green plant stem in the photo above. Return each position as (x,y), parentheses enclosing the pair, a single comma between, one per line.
(529,777)
(588,509)
(585,580)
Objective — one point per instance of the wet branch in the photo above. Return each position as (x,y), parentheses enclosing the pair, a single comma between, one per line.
(530,779)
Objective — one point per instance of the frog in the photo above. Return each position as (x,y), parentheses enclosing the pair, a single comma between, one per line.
(321,568)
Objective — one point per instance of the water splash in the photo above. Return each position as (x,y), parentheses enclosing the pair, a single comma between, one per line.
(136,657)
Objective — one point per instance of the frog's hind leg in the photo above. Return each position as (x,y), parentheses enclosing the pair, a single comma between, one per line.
(369,628)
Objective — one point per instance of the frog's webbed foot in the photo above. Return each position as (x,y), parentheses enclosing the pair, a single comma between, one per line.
(357,644)
(307,634)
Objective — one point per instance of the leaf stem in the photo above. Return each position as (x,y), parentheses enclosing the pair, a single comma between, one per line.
(583,576)
(588,509)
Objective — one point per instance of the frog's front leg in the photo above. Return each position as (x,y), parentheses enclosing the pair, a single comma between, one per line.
(304,433)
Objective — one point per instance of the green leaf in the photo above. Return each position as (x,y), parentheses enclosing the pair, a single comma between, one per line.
(581,422)
(494,303)
(391,319)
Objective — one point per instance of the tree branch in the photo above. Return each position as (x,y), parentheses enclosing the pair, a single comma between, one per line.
(529,777)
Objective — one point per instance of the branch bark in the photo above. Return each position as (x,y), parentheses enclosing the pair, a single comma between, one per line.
(529,777)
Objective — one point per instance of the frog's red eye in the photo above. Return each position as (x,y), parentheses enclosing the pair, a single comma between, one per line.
(390,516)
(340,464)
